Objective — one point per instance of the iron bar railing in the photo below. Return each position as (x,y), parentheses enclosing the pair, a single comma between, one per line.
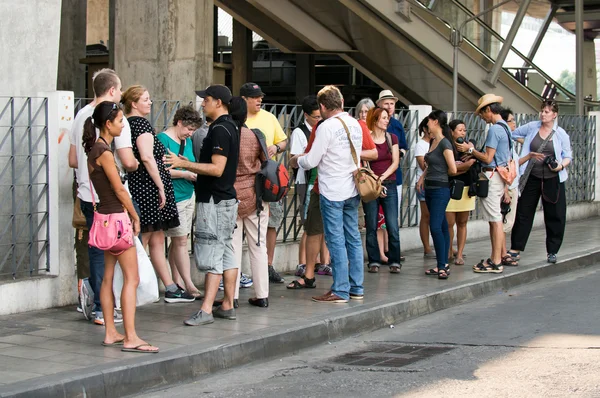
(24,176)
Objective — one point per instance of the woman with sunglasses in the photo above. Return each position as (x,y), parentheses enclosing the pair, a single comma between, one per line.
(113,198)
(545,155)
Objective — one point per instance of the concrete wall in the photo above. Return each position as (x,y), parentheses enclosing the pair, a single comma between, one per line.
(71,73)
(165,45)
(29,39)
(97,21)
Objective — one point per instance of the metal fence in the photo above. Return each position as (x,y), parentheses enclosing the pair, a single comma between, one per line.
(24,176)
(580,186)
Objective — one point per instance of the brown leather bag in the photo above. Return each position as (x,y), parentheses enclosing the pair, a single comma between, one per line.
(78,221)
(367,183)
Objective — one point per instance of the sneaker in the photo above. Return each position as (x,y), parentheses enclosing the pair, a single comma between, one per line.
(245,281)
(86,299)
(329,297)
(99,318)
(300,270)
(356,296)
(219,312)
(324,270)
(274,277)
(221,286)
(179,296)
(552,258)
(199,318)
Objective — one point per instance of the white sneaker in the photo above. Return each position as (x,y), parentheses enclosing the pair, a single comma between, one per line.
(99,320)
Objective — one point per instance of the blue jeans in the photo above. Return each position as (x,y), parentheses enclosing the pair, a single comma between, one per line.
(96,257)
(437,200)
(390,212)
(340,222)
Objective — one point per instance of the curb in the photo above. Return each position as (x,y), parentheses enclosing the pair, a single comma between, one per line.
(185,364)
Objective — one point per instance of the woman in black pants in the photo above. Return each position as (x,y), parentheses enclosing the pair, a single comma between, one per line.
(546,154)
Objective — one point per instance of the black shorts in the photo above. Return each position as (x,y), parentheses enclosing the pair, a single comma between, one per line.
(314,222)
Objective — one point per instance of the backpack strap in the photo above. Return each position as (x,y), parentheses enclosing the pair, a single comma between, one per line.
(262,140)
(305,130)
(388,139)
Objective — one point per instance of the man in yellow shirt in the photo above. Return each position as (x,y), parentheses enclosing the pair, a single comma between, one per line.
(276,143)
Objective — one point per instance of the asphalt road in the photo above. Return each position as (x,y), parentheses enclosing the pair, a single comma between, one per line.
(539,340)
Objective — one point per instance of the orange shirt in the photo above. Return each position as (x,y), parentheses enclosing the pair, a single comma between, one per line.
(367,144)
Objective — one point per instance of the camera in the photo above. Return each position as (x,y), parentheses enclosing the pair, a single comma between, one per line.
(551,161)
(460,140)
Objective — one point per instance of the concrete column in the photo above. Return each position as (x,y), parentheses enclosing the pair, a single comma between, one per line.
(579,63)
(241,56)
(590,83)
(305,76)
(71,73)
(596,114)
(165,45)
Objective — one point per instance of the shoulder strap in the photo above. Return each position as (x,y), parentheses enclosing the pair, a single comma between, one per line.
(525,176)
(388,139)
(305,130)
(260,136)
(352,150)
(182,147)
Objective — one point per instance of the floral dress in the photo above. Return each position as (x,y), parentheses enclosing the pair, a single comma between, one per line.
(143,189)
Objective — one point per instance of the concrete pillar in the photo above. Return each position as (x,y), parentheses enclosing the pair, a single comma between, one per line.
(97,21)
(165,45)
(305,76)
(241,56)
(590,83)
(71,73)
(596,114)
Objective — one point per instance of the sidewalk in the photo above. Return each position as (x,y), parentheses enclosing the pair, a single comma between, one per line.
(57,353)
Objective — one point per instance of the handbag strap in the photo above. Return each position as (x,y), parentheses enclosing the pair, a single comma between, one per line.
(531,163)
(352,150)
(510,149)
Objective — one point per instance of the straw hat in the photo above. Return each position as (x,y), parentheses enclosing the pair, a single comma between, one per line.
(386,94)
(486,100)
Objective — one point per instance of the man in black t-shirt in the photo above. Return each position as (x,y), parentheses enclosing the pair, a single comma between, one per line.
(216,207)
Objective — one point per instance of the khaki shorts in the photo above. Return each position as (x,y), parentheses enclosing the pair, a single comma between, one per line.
(490,206)
(275,214)
(185,208)
(213,244)
(314,221)
(510,217)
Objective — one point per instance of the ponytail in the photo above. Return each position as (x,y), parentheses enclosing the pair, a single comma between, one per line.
(89,135)
(104,112)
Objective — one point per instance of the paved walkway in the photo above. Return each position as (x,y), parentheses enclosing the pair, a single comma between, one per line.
(59,341)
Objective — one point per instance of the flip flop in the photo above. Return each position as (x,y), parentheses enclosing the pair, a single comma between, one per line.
(459,261)
(116,343)
(139,350)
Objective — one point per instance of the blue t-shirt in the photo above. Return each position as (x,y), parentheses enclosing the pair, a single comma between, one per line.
(396,128)
(497,139)
(183,188)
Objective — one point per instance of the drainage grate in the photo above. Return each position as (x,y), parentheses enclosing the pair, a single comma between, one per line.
(390,356)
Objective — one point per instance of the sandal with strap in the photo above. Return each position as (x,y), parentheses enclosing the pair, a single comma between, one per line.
(509,260)
(516,256)
(309,283)
(394,269)
(488,267)
(373,269)
(431,272)
(443,273)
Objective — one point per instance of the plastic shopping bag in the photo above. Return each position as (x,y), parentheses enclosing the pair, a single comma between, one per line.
(147,291)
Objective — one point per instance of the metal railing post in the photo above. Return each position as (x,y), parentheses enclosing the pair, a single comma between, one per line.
(492,77)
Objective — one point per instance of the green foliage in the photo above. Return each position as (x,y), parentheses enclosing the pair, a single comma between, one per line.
(567,80)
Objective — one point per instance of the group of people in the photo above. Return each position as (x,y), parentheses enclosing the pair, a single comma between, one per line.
(514,183)
(209,167)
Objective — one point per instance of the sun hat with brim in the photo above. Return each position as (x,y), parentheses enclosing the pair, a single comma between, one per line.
(217,91)
(487,100)
(386,94)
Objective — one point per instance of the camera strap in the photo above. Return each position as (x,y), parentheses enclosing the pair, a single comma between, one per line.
(525,176)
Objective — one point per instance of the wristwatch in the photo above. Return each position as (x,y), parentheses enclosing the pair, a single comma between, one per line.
(278,148)
(470,151)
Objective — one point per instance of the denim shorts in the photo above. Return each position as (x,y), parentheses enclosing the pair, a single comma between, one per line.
(213,244)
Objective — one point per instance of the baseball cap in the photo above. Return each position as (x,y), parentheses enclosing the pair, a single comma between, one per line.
(217,91)
(251,90)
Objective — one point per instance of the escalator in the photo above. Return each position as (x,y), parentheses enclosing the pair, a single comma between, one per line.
(398,44)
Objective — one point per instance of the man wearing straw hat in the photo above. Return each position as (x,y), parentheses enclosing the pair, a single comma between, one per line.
(387,100)
(497,152)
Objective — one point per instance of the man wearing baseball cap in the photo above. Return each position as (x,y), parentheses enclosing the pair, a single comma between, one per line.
(276,139)
(216,204)
(387,100)
(497,153)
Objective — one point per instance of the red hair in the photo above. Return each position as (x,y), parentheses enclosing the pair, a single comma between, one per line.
(373,117)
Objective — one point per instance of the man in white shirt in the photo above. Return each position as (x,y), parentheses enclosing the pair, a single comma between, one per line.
(107,87)
(331,154)
(298,144)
